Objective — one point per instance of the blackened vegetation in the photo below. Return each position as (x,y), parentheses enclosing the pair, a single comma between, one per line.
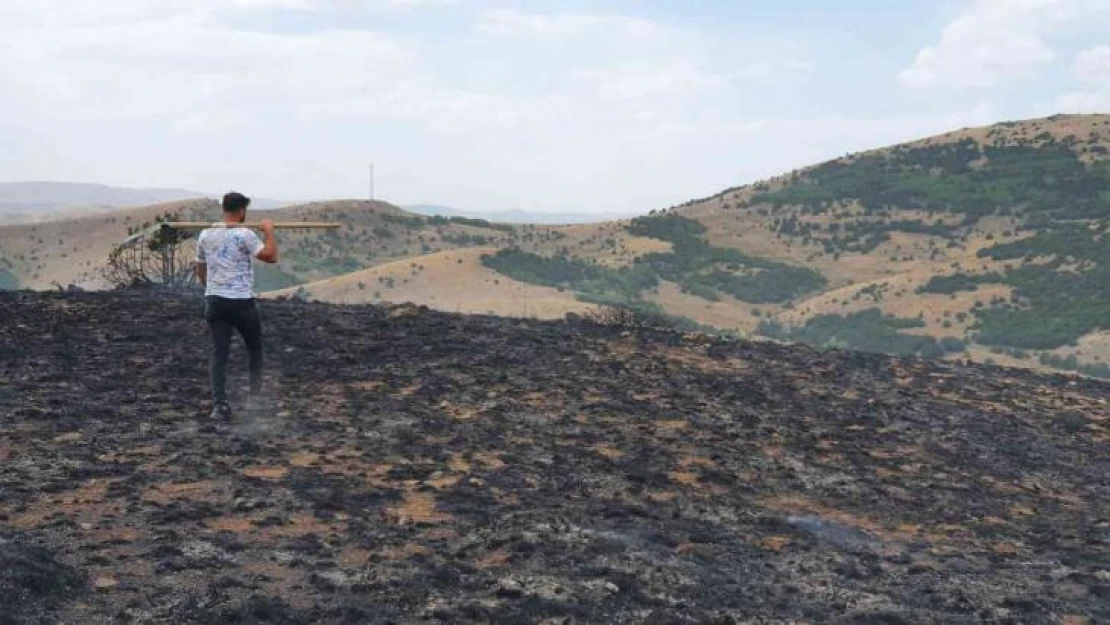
(632,318)
(425,467)
(33,581)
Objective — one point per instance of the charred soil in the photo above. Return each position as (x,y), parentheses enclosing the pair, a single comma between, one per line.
(415,466)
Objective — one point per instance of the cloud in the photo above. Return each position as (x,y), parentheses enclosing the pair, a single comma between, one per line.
(545,110)
(417,3)
(1091,68)
(59,14)
(998,41)
(1085,102)
(188,62)
(515,22)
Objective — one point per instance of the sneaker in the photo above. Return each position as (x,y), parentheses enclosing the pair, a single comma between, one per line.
(221,411)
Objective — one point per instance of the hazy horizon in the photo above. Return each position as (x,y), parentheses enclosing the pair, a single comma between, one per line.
(602,107)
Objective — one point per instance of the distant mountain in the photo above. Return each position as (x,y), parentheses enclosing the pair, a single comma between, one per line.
(33,200)
(51,195)
(516,216)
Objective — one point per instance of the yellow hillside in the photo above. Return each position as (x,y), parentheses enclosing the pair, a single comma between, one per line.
(454,281)
(73,251)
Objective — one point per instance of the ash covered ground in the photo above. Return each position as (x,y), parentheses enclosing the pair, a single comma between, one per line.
(421,467)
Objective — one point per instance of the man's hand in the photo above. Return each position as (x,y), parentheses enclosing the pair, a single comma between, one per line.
(269,253)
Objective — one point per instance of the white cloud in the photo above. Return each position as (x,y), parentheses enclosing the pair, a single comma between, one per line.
(416,3)
(515,22)
(1085,102)
(548,111)
(56,14)
(1091,69)
(1093,66)
(639,81)
(971,54)
(186,64)
(998,41)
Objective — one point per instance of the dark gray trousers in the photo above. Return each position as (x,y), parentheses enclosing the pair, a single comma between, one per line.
(225,317)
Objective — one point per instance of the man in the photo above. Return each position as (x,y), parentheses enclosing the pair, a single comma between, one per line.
(224,266)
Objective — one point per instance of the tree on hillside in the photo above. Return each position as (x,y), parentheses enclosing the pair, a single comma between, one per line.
(153,257)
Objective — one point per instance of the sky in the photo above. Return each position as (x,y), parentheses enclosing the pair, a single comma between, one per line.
(543,105)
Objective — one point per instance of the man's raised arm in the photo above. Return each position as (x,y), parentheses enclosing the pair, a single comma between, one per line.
(269,251)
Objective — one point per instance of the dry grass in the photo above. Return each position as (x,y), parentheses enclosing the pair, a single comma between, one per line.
(454,281)
(727,313)
(1090,349)
(72,251)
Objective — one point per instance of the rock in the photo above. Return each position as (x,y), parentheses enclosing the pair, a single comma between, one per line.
(283,557)
(203,550)
(834,533)
(406,310)
(510,587)
(1061,573)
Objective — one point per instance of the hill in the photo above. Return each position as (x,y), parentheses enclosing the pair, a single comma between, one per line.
(516,216)
(443,280)
(22,202)
(427,467)
(39,256)
(983,244)
(993,236)
(29,200)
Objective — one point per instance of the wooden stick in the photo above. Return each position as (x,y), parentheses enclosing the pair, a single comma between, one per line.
(201,225)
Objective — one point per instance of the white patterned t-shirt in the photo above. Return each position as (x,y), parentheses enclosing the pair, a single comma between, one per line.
(229,254)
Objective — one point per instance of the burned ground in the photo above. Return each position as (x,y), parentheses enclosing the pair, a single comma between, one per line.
(425,467)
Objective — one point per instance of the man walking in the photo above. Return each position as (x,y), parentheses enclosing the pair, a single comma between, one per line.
(224,266)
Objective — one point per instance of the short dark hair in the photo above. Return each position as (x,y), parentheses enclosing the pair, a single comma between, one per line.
(235,202)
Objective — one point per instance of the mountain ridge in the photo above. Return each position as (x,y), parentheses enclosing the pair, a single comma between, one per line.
(946,246)
(50,199)
(515,216)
